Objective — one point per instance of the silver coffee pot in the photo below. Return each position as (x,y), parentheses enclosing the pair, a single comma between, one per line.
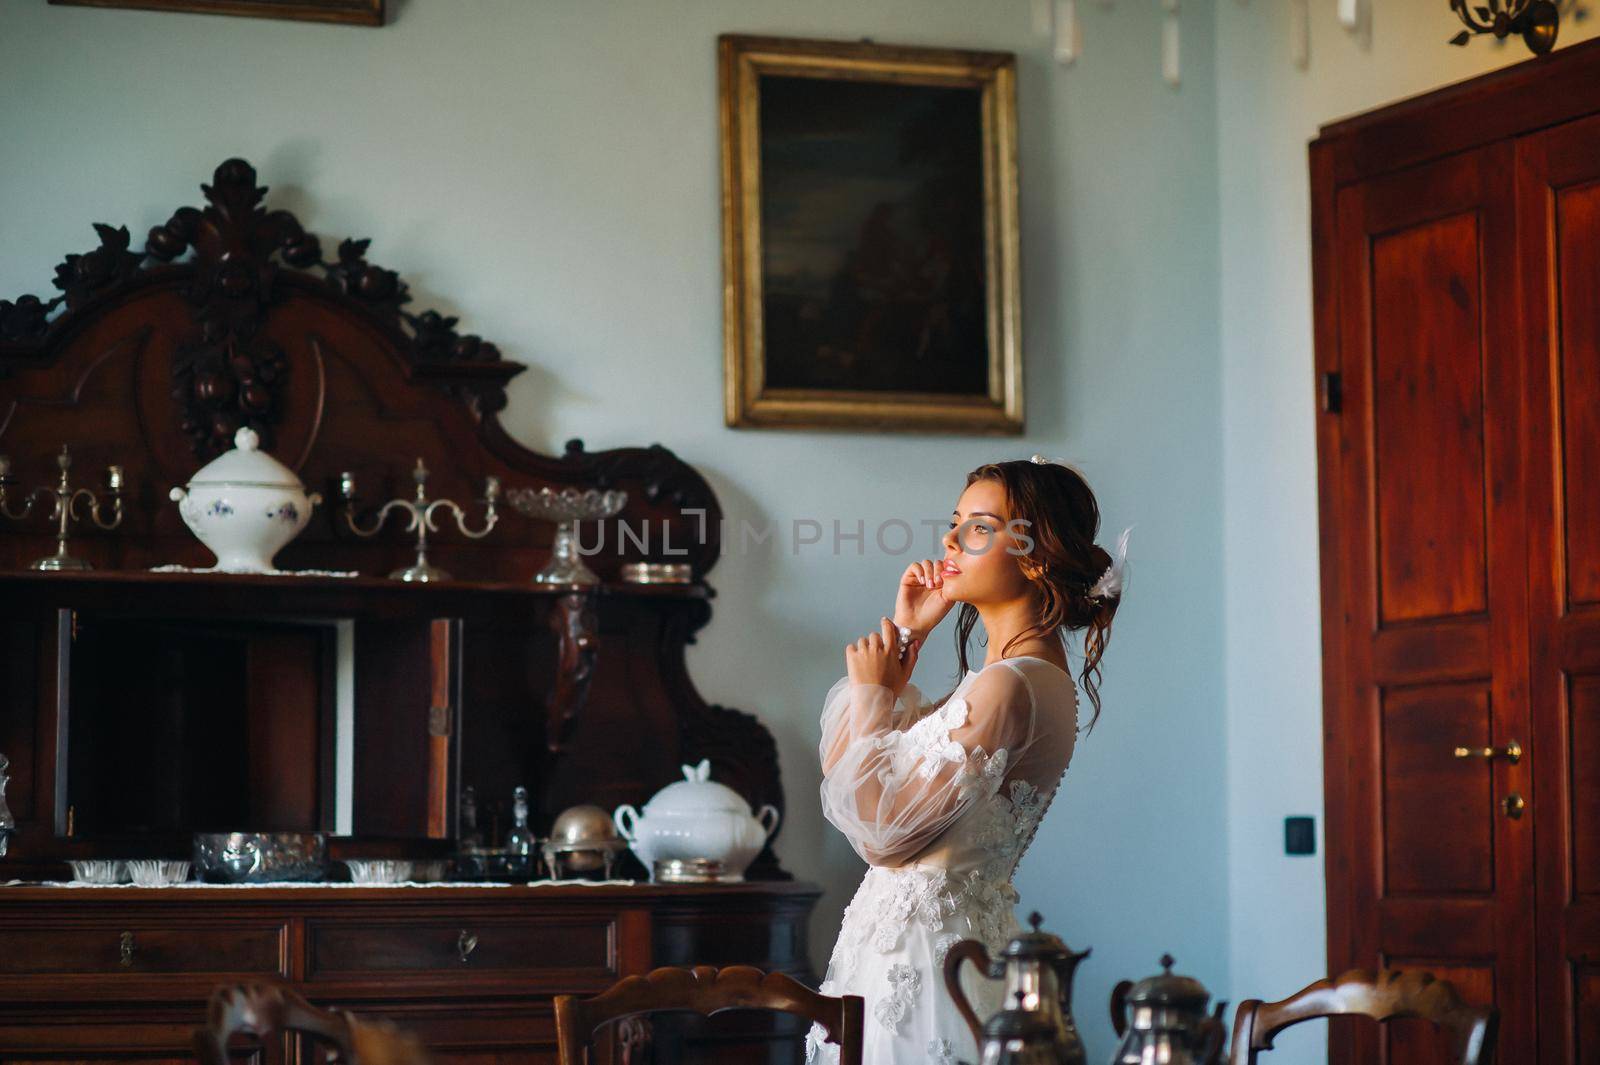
(1038,1028)
(1162,1021)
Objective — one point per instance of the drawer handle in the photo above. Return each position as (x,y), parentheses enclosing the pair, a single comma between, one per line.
(125,949)
(466,943)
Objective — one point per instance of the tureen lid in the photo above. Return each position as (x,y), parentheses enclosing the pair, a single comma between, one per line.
(246,464)
(696,793)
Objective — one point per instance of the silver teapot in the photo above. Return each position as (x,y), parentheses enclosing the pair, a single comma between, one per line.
(1162,1019)
(1038,1029)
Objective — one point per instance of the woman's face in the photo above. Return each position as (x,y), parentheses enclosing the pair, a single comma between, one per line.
(977,566)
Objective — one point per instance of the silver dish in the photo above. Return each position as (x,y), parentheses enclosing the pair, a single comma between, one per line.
(260,857)
(657,573)
(691,871)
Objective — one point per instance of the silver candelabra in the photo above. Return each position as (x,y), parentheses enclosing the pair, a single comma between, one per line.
(65,507)
(566,507)
(421,519)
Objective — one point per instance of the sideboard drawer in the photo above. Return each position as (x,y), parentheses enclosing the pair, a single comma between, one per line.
(135,948)
(568,945)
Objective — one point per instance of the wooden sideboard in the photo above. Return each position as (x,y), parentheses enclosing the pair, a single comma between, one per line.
(123,973)
(230,316)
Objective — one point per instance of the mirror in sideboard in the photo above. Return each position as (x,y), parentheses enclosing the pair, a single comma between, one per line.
(171,725)
(178,725)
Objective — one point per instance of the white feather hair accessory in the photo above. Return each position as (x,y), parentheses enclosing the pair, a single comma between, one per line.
(1041,460)
(1115,578)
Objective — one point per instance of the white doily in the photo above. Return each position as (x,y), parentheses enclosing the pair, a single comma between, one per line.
(254,573)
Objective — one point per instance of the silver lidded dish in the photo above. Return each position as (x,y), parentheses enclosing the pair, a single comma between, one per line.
(259,857)
(583,839)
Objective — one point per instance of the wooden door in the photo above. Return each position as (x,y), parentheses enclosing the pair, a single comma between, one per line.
(1425,608)
(1558,197)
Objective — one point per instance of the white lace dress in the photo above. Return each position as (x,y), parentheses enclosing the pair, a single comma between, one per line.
(942,804)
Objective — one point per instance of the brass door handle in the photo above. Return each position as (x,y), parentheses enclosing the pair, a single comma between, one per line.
(1513,805)
(1511,752)
(466,943)
(125,949)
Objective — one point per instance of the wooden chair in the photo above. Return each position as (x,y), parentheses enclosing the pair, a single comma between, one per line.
(1381,996)
(268,1010)
(705,989)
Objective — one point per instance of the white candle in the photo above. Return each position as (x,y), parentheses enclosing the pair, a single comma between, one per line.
(1043,20)
(1300,33)
(1069,32)
(1170,69)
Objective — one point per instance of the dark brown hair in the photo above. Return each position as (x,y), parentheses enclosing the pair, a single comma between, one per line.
(1062,520)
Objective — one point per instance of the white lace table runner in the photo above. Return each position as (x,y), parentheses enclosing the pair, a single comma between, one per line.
(268,573)
(188,884)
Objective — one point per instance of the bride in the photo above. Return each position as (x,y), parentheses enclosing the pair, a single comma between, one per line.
(941,799)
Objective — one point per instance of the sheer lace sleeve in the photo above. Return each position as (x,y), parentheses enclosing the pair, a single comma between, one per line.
(893,781)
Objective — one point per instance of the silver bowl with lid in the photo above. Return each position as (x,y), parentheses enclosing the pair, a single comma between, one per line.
(582,839)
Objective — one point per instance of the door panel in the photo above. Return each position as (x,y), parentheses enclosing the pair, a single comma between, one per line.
(1558,202)
(1451,851)
(1582,769)
(1426,870)
(1431,527)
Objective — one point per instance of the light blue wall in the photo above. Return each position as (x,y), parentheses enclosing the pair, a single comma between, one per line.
(548,170)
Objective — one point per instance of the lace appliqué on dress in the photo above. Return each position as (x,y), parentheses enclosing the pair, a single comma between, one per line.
(941,1052)
(926,748)
(904,983)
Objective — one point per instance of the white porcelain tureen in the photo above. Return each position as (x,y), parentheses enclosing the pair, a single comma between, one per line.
(245,506)
(696,818)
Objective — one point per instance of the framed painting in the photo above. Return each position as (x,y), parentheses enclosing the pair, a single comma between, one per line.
(869,236)
(356,12)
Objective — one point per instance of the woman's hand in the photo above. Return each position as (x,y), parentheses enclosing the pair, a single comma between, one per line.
(920,604)
(875,659)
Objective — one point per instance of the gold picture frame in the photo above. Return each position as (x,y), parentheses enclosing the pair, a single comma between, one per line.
(352,12)
(839,281)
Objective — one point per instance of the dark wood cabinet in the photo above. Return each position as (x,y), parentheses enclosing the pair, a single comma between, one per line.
(117,974)
(1456,242)
(139,705)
